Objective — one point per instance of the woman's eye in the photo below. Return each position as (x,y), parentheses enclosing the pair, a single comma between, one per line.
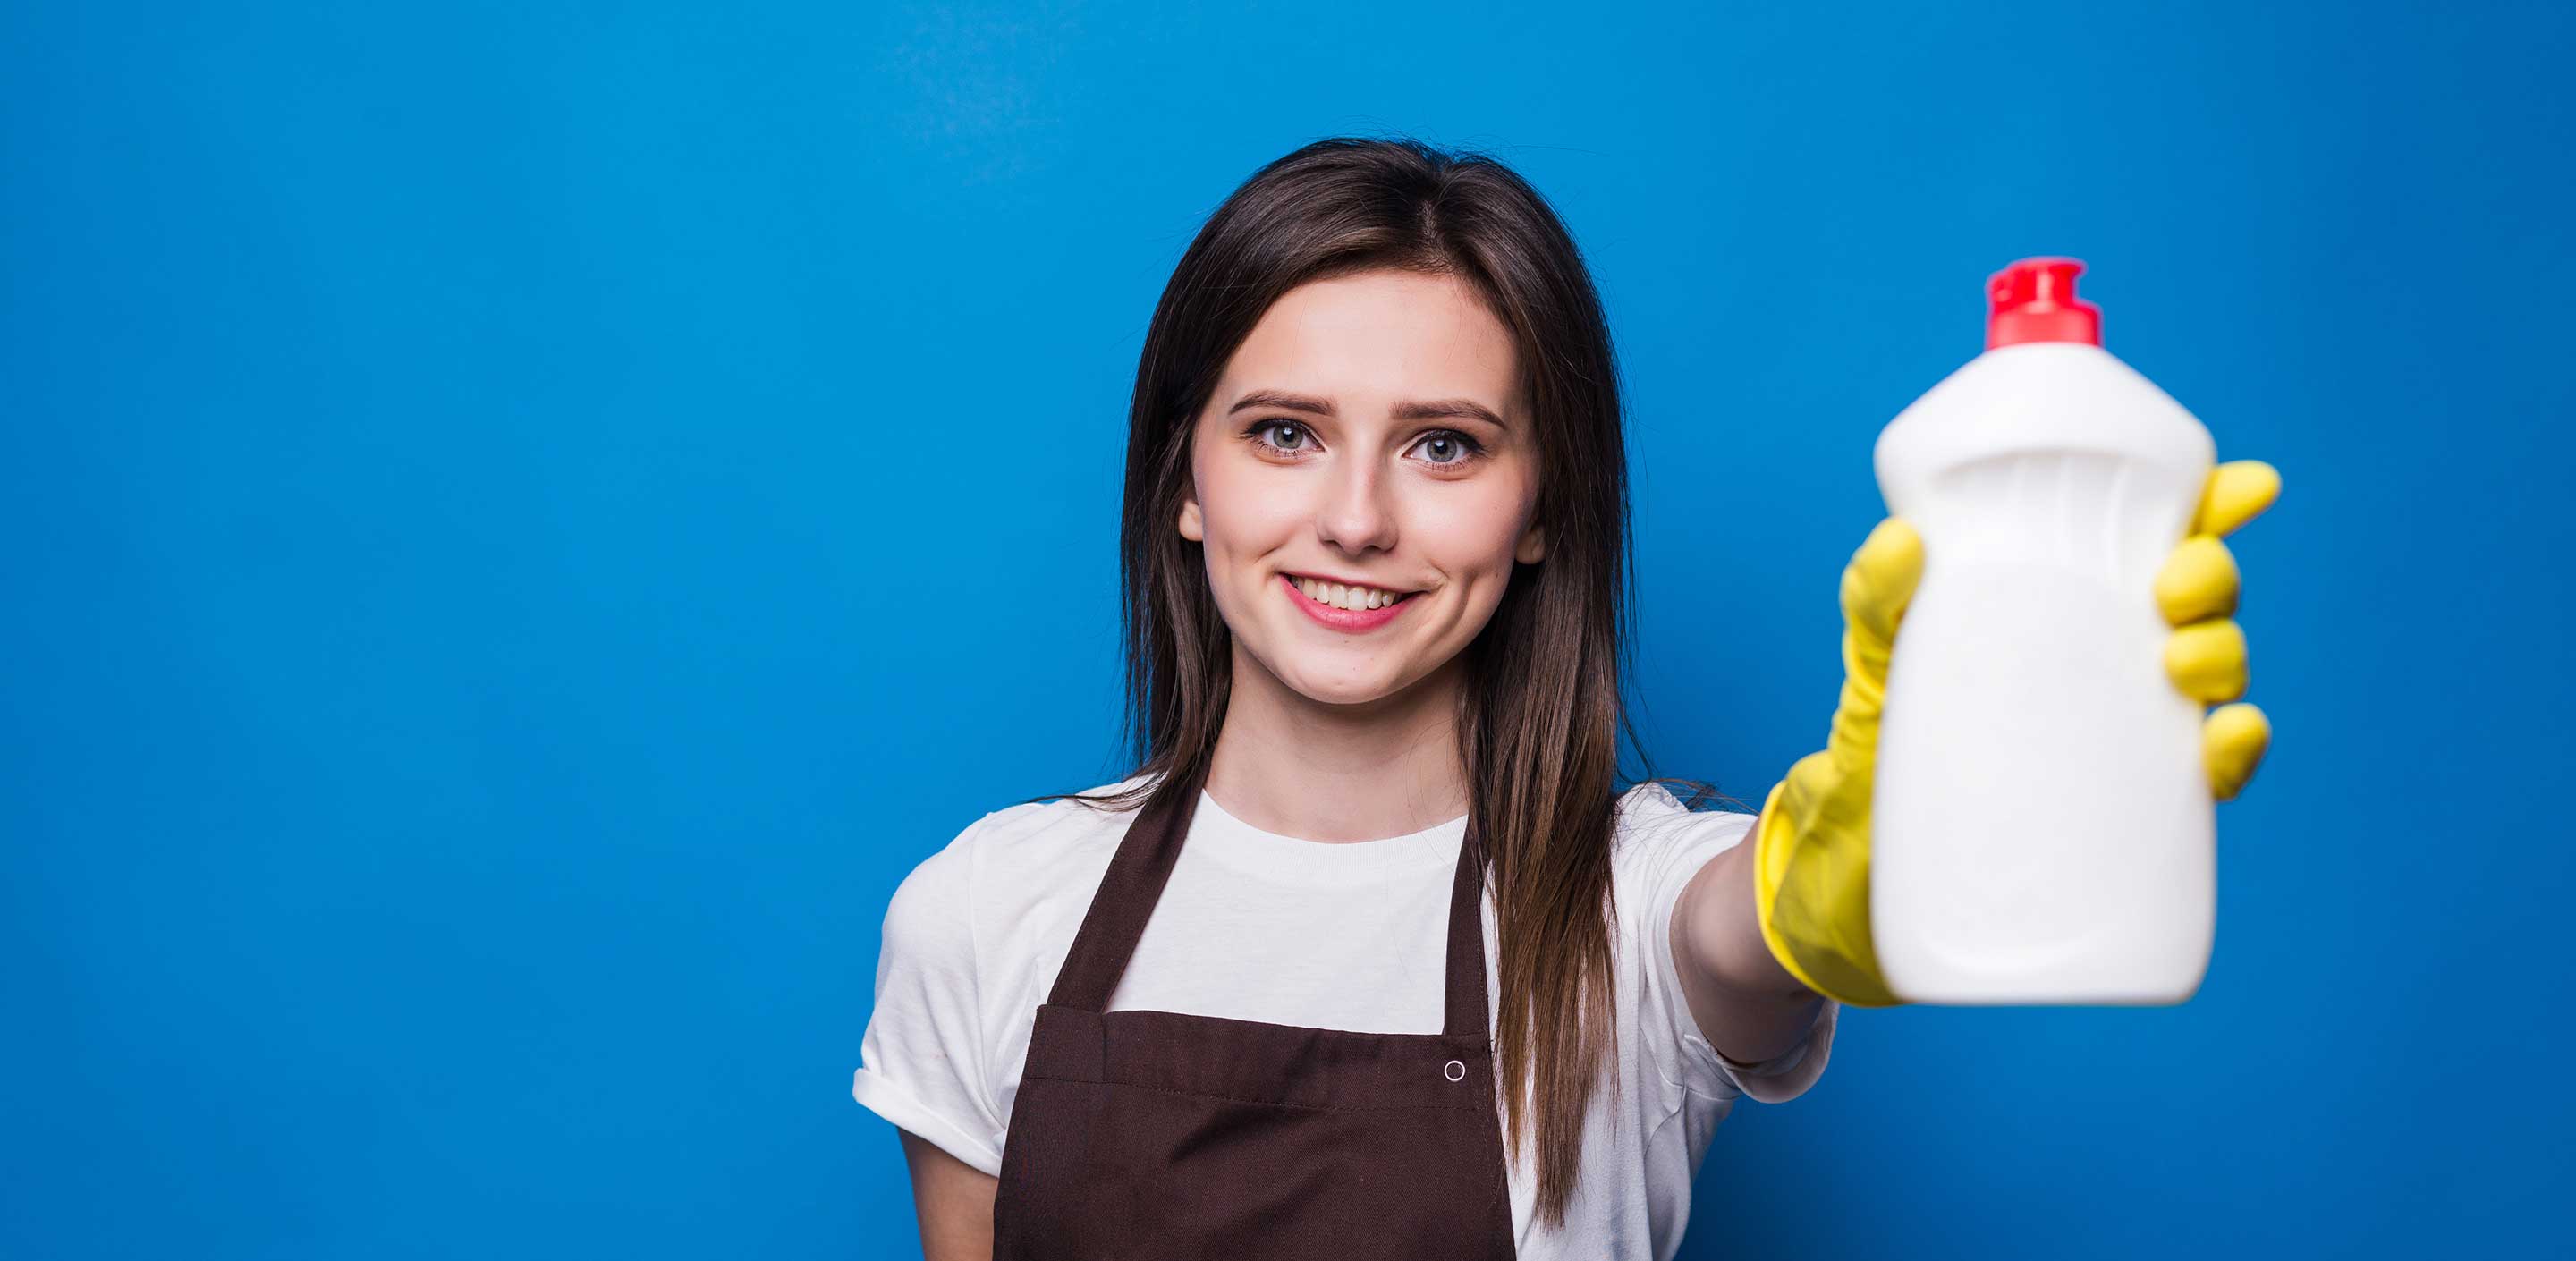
(1448,448)
(1295,441)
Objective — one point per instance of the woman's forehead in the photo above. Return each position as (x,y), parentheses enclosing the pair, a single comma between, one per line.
(1371,341)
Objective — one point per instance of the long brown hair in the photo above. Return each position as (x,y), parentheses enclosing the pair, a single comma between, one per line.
(1540,716)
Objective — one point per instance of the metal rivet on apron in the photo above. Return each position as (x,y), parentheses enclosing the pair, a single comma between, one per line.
(1453,1070)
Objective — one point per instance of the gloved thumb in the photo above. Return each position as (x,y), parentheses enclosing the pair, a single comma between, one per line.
(1879,582)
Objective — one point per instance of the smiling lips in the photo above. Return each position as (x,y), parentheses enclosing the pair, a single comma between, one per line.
(1347,620)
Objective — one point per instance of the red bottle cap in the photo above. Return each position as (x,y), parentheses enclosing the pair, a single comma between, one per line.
(2034,301)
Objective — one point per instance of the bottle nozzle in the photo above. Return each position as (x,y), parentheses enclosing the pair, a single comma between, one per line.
(2034,301)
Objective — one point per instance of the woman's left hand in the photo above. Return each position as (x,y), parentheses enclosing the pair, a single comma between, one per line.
(1811,843)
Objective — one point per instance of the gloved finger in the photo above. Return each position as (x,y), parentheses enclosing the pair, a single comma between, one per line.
(2207,660)
(1880,580)
(1877,585)
(2234,493)
(2233,741)
(2198,580)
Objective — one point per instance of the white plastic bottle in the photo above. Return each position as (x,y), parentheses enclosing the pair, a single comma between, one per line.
(2042,828)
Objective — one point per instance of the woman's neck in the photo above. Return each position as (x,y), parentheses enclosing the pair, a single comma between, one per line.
(1285,763)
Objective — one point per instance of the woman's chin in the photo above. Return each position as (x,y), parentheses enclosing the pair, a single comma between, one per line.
(1359,683)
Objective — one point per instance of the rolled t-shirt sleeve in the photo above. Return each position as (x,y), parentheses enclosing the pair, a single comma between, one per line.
(922,1059)
(1670,860)
(1787,1075)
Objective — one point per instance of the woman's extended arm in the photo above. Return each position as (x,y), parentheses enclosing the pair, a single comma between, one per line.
(954,1201)
(1733,985)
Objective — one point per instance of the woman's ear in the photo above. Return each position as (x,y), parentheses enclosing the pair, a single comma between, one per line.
(1192,528)
(1533,546)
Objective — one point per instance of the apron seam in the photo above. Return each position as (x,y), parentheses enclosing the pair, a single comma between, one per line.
(1265,1103)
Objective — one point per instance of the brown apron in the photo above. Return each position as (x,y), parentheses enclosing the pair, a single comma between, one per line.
(1155,1135)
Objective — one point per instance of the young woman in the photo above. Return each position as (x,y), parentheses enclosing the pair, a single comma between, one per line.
(1372,957)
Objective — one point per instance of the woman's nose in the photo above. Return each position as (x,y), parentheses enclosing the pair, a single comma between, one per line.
(1355,515)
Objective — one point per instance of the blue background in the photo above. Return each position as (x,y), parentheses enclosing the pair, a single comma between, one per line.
(525,522)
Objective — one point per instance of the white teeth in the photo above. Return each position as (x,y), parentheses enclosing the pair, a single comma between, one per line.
(1346,597)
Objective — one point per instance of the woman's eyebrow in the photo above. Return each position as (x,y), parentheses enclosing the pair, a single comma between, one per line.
(1278,398)
(1449,408)
(1436,409)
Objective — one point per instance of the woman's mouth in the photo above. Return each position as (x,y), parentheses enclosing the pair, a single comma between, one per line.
(1346,608)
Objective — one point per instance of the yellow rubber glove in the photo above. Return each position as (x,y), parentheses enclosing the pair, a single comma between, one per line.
(1811,844)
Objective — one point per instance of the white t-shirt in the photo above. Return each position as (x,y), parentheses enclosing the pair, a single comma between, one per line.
(1257,926)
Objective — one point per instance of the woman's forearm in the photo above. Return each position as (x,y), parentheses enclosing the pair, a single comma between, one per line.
(1747,1005)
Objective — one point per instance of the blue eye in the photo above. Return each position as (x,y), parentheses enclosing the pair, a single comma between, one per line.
(1462,447)
(1447,448)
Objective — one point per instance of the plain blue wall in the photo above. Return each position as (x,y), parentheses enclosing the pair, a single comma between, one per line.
(524,523)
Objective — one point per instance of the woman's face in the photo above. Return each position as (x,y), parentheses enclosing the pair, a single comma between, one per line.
(1369,431)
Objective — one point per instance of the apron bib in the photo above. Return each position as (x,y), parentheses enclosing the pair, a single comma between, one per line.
(1158,1136)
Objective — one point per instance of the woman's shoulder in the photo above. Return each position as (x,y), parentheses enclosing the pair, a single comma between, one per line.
(1656,803)
(1030,830)
(999,862)
(1655,825)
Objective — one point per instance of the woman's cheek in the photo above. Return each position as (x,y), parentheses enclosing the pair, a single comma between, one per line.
(1477,531)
